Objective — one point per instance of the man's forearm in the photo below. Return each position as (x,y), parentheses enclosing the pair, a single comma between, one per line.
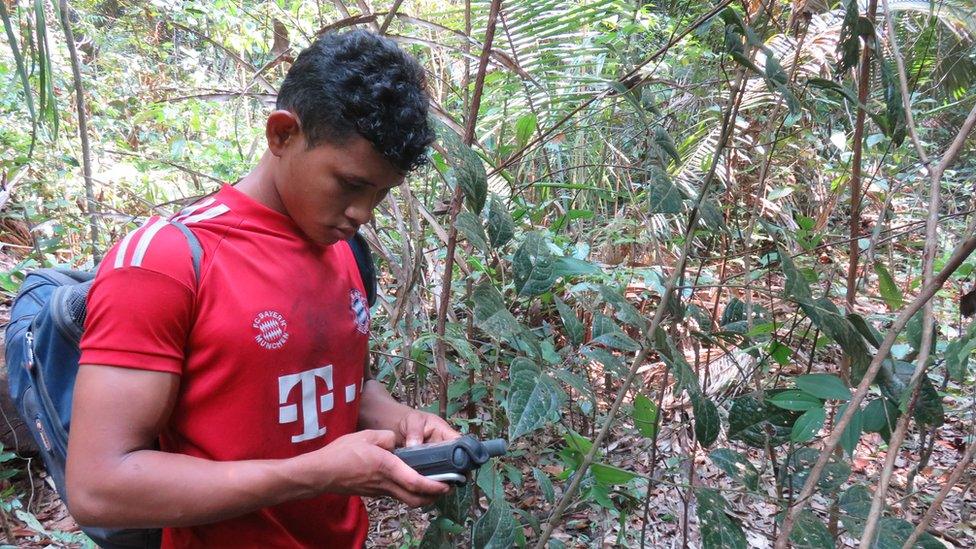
(148,488)
(379,410)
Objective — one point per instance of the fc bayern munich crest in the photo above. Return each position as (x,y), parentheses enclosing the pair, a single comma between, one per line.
(360,310)
(272,329)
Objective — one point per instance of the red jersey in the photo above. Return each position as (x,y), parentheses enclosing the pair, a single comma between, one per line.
(269,345)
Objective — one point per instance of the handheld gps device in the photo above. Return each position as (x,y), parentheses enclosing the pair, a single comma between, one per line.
(451,461)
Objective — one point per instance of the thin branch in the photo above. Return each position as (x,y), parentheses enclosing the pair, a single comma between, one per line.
(728,126)
(962,251)
(389,16)
(923,524)
(82,128)
(445,295)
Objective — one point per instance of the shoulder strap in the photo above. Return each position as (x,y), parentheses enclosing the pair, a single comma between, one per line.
(196,250)
(364,260)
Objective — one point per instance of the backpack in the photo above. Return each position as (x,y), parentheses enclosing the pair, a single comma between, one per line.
(42,338)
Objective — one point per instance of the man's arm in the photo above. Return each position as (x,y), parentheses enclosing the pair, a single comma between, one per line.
(116,479)
(379,410)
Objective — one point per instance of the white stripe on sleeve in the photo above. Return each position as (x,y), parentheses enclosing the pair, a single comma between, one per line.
(147,237)
(190,209)
(209,214)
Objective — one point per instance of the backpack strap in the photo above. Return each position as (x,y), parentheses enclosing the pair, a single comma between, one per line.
(367,270)
(196,250)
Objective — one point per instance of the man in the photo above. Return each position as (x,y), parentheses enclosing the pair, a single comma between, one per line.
(230,407)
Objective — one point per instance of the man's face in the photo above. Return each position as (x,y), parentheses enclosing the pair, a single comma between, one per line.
(330,190)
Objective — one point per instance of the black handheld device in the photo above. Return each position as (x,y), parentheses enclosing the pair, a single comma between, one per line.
(451,461)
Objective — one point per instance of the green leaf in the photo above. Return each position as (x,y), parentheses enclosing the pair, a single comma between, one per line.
(664,196)
(718,531)
(756,422)
(455,504)
(494,319)
(571,323)
(496,528)
(734,311)
(796,400)
(609,475)
(663,140)
(835,473)
(855,502)
(469,225)
(958,352)
(625,312)
(894,106)
(888,288)
(736,466)
(533,398)
(471,176)
(501,227)
(825,386)
(645,416)
(545,485)
(605,332)
(796,287)
(708,425)
(609,361)
(893,379)
(570,267)
(808,425)
(852,434)
(880,414)
(893,532)
(532,265)
(524,128)
(809,532)
(780,353)
(828,318)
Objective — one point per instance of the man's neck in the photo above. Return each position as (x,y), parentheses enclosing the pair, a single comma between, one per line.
(259,183)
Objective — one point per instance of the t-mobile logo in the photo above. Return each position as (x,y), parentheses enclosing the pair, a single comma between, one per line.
(311,402)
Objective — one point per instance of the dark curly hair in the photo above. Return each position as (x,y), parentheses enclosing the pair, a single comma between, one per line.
(360,82)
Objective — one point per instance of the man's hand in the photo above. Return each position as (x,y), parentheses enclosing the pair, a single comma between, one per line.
(416,427)
(362,464)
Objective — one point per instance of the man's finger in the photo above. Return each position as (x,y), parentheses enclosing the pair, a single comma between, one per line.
(414,430)
(382,438)
(415,483)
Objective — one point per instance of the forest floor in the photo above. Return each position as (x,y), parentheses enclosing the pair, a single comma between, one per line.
(36,517)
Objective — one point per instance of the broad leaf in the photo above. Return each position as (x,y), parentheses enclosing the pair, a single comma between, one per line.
(893,381)
(496,528)
(795,400)
(888,288)
(545,485)
(758,423)
(809,532)
(605,332)
(718,531)
(796,287)
(880,415)
(501,227)
(825,386)
(835,473)
(645,416)
(855,502)
(708,424)
(893,532)
(808,425)
(852,433)
(469,225)
(736,466)
(524,128)
(533,398)
(664,197)
(532,265)
(571,323)
(625,312)
(470,175)
(610,475)
(494,318)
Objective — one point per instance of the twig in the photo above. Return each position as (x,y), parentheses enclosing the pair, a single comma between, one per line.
(923,524)
(82,128)
(727,129)
(389,16)
(440,361)
(962,251)
(863,82)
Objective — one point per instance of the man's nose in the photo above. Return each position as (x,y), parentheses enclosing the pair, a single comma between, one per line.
(360,211)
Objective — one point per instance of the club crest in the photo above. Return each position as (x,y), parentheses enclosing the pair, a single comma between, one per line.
(360,310)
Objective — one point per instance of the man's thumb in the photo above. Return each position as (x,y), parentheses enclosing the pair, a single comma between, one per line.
(382,438)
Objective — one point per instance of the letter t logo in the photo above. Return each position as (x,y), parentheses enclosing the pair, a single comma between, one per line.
(311,406)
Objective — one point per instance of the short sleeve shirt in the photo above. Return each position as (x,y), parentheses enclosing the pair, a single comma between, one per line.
(269,343)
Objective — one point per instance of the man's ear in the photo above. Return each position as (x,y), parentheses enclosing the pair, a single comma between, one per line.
(281,131)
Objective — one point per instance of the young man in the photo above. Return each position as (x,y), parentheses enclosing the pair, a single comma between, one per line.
(231,407)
